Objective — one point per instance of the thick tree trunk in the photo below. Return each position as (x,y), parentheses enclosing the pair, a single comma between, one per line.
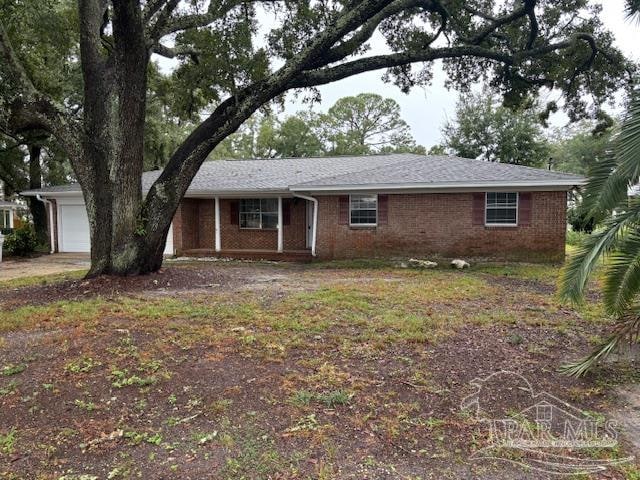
(128,233)
(122,241)
(37,208)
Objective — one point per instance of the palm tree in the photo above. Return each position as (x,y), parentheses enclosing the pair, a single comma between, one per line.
(618,240)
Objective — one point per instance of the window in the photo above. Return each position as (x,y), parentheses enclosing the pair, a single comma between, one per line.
(5,218)
(363,210)
(501,208)
(260,213)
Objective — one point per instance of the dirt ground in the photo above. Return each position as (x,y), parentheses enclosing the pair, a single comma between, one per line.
(11,268)
(229,370)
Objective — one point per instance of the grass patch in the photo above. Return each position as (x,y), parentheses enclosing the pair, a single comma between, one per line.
(122,378)
(545,273)
(356,263)
(329,399)
(11,369)
(82,365)
(43,279)
(8,441)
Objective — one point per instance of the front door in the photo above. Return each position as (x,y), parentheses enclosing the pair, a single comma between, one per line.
(309,223)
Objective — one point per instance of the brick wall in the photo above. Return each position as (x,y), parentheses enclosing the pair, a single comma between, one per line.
(418,224)
(441,223)
(186,231)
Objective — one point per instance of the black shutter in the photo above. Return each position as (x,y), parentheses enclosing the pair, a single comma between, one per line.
(343,210)
(477,216)
(286,211)
(383,209)
(524,208)
(234,212)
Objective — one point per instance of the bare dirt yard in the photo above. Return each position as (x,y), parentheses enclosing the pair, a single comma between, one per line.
(353,370)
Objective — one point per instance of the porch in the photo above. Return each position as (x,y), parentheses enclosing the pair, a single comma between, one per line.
(284,256)
(269,228)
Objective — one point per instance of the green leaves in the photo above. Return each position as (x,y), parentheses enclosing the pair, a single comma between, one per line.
(619,237)
(485,129)
(364,124)
(367,123)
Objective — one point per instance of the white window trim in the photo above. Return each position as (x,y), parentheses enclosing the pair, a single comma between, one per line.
(254,228)
(7,213)
(356,225)
(487,224)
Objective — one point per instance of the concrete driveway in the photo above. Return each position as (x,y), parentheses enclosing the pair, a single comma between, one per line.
(43,265)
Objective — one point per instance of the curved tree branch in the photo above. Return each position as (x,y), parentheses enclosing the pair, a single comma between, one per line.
(32,110)
(347,69)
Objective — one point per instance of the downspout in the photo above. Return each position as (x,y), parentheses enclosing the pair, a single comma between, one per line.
(314,227)
(51,235)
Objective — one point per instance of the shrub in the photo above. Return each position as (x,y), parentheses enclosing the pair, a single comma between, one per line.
(580,221)
(575,238)
(21,242)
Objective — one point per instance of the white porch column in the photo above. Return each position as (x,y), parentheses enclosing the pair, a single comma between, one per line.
(217,224)
(280,226)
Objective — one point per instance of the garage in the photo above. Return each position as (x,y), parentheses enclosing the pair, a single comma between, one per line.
(73,228)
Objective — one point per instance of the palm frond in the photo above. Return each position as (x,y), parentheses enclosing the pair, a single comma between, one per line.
(622,278)
(626,330)
(605,188)
(610,177)
(576,272)
(632,9)
(627,146)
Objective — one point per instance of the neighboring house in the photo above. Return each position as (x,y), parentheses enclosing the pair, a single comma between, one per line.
(346,207)
(7,215)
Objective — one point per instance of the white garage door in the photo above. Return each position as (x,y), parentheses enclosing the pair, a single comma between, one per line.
(74,230)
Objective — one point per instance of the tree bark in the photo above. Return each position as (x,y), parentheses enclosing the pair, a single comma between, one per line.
(37,208)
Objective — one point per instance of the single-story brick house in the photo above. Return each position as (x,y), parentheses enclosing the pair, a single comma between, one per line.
(353,206)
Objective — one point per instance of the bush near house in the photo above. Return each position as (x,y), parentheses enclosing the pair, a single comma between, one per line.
(21,242)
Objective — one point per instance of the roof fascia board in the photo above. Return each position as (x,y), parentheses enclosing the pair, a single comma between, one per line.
(262,193)
(75,193)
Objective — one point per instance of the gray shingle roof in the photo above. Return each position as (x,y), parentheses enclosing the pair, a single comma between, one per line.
(444,170)
(280,175)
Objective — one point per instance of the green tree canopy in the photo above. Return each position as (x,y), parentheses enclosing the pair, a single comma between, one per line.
(367,123)
(483,128)
(580,146)
(364,124)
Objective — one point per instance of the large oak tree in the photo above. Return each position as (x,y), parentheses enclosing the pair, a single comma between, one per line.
(237,55)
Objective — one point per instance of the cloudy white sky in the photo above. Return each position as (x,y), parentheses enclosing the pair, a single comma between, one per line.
(427,109)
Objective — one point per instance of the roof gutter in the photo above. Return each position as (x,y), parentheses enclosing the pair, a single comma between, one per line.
(65,193)
(436,186)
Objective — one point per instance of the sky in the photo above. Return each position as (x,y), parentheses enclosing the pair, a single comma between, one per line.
(427,109)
